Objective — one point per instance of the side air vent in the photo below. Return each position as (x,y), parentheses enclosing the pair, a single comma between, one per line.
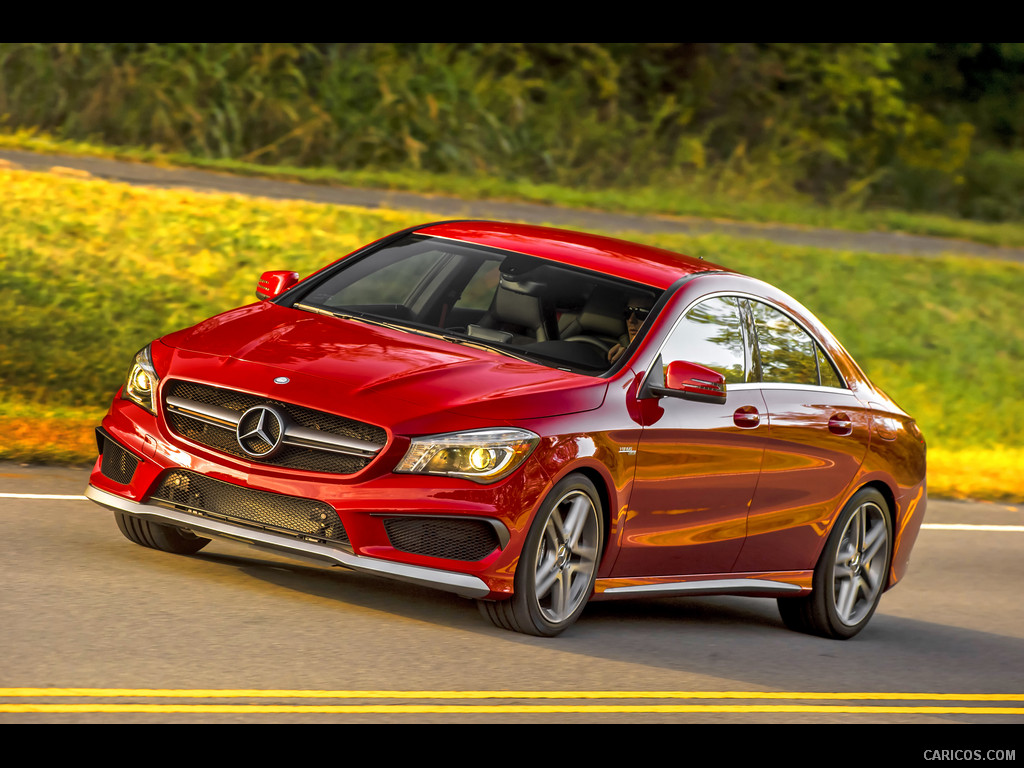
(117,464)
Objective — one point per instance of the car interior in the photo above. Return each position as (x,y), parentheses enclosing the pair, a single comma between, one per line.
(568,317)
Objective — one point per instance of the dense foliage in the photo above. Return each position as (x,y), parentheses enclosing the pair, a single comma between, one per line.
(924,125)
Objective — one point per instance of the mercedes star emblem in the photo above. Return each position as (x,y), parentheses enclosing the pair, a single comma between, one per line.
(260,431)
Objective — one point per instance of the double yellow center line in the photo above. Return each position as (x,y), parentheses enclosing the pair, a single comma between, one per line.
(254,701)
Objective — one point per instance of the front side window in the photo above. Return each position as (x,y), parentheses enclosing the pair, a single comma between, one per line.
(711,334)
(479,292)
(390,283)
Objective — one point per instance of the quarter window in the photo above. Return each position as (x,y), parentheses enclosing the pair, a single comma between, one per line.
(829,376)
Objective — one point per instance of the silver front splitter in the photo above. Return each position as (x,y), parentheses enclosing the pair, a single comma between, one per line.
(449,581)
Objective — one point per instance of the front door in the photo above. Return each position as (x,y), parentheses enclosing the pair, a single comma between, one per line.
(698,463)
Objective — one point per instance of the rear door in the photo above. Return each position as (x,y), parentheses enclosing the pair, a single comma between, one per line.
(817,439)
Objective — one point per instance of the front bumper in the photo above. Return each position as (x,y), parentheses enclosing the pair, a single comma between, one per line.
(443,533)
(459,583)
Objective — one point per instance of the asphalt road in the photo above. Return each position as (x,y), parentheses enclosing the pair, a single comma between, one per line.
(235,636)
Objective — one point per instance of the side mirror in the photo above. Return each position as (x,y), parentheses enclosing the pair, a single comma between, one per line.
(686,380)
(273,284)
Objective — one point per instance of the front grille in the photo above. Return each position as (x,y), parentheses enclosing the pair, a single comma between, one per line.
(451,538)
(117,463)
(287,514)
(222,438)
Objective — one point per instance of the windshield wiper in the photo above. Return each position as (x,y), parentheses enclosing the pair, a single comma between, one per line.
(489,348)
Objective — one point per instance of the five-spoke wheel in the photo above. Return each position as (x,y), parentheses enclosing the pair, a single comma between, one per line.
(851,573)
(858,573)
(558,565)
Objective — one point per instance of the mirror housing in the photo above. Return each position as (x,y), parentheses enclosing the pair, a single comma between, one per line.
(686,380)
(272,284)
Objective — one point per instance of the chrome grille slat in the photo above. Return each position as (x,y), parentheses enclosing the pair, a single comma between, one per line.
(211,414)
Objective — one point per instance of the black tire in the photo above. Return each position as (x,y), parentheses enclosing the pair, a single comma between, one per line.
(558,565)
(166,538)
(851,573)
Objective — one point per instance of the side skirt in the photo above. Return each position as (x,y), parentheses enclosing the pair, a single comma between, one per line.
(742,584)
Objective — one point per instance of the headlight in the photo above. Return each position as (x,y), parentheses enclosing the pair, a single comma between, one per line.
(483,456)
(140,386)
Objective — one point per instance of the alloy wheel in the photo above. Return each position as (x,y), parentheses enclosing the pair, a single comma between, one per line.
(567,557)
(859,571)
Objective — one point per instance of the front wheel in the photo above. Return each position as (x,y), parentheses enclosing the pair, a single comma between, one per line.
(166,538)
(851,573)
(557,568)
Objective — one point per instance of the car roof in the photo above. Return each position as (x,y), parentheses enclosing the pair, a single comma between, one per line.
(645,264)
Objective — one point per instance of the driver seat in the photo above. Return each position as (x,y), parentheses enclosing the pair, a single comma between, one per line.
(516,316)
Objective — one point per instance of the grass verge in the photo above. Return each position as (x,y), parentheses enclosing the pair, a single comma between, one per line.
(704,196)
(93,270)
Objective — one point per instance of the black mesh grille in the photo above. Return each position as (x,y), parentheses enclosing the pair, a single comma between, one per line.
(289,514)
(450,538)
(290,456)
(117,464)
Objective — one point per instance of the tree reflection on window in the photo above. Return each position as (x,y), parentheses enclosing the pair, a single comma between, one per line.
(788,354)
(711,335)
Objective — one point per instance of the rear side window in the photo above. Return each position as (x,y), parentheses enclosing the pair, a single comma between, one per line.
(788,353)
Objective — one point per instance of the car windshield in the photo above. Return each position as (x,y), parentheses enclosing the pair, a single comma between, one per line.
(534,308)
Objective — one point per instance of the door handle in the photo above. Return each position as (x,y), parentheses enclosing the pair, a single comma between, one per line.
(746,417)
(840,424)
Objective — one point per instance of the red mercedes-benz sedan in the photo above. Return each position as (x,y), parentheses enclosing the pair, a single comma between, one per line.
(530,417)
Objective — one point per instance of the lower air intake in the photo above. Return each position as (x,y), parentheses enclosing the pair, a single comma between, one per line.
(450,538)
(287,514)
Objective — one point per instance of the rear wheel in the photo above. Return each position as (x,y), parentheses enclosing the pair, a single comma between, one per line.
(166,538)
(851,573)
(558,565)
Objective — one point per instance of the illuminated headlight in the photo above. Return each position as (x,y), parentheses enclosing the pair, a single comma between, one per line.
(483,456)
(140,387)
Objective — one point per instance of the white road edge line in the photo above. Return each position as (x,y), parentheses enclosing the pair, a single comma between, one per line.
(42,496)
(926,526)
(967,527)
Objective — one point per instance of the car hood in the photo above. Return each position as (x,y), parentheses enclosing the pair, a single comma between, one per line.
(395,373)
